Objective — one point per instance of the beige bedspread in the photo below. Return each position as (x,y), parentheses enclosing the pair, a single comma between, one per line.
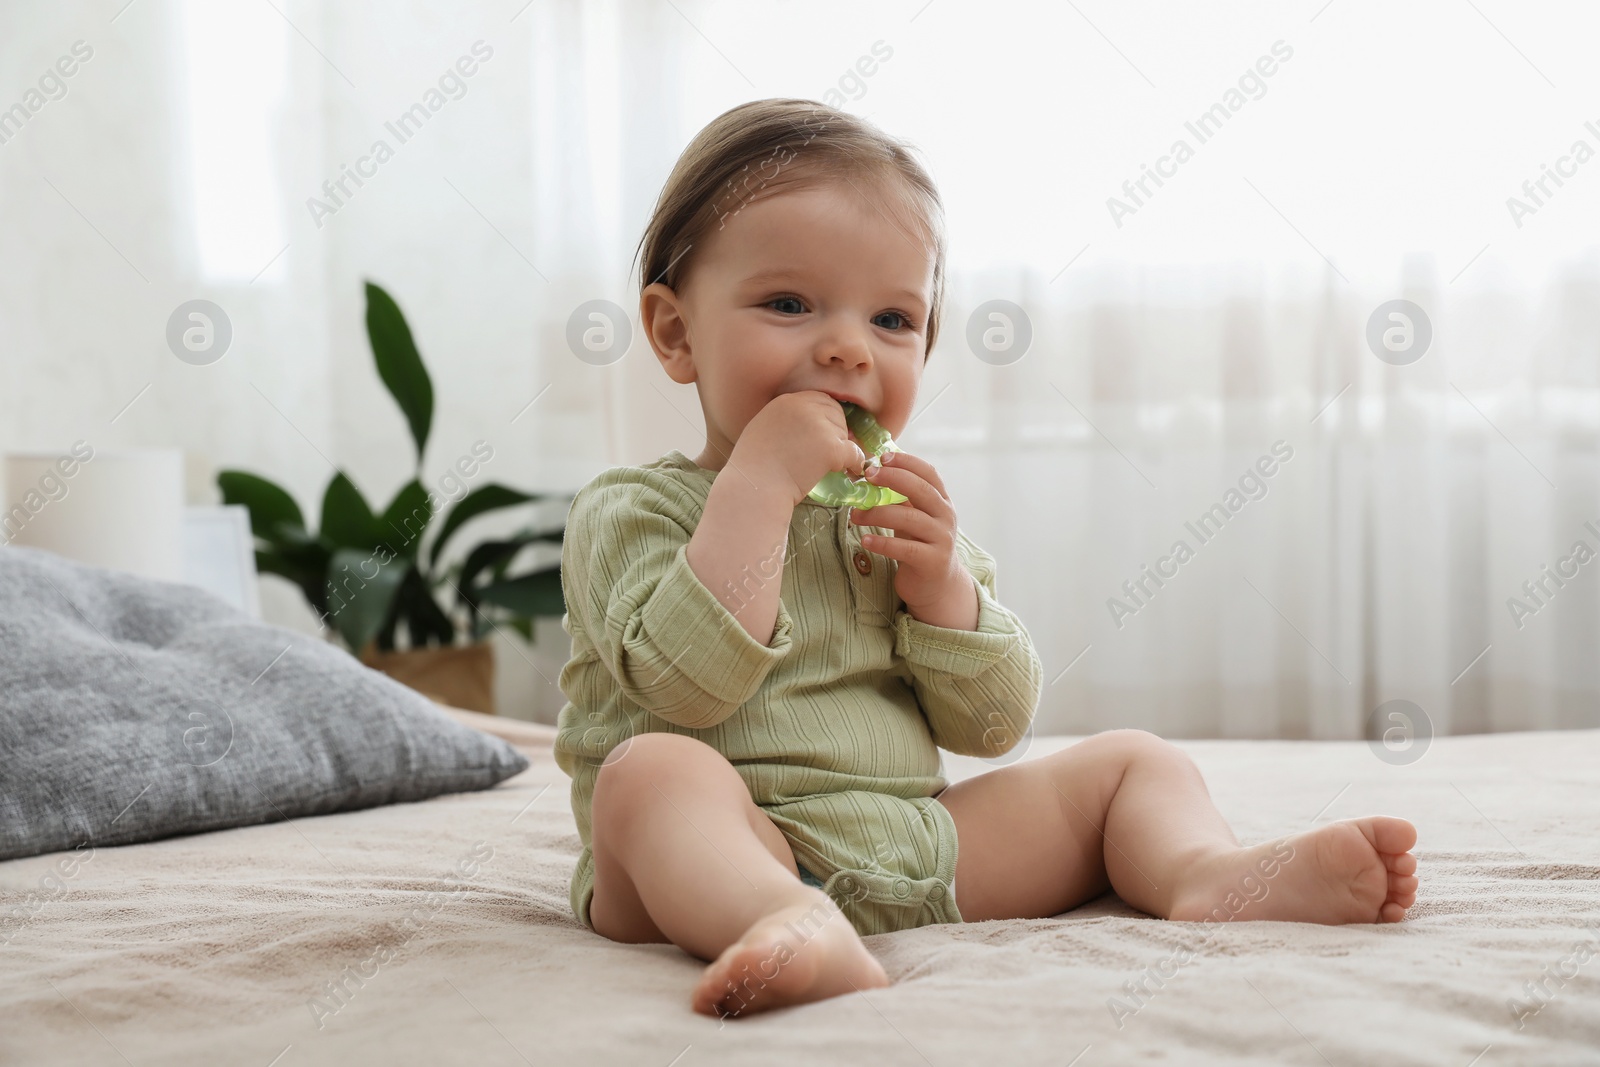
(221,947)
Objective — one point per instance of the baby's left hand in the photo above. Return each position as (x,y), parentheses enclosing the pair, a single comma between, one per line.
(930,578)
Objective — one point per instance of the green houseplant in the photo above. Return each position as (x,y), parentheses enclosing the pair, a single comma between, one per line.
(376,574)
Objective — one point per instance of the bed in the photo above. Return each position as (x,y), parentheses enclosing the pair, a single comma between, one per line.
(439,932)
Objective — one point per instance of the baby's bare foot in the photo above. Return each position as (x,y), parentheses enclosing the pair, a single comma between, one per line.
(1356,871)
(799,953)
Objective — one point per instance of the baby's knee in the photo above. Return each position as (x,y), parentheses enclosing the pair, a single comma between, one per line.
(635,774)
(649,747)
(652,756)
(1140,745)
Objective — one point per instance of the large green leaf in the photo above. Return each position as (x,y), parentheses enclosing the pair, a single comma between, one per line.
(485,498)
(301,547)
(310,578)
(361,592)
(481,558)
(483,626)
(406,519)
(529,594)
(426,622)
(399,364)
(347,520)
(494,555)
(268,504)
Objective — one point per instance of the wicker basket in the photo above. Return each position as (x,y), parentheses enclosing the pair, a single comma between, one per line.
(461,675)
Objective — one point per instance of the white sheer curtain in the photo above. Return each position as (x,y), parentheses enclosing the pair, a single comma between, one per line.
(1377,562)
(1169,353)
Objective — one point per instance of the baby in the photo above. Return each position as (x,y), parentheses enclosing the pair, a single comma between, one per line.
(760,684)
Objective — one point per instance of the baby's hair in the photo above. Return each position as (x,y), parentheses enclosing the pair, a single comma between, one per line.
(798,142)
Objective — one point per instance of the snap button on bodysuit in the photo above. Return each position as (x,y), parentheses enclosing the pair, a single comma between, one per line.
(936,893)
(863,562)
(902,888)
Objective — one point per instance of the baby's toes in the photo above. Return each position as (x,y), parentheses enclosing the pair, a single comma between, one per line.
(1403,864)
(1391,912)
(711,989)
(1390,835)
(1402,890)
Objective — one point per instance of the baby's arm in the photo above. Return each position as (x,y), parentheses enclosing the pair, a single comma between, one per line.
(979,688)
(738,548)
(658,588)
(656,629)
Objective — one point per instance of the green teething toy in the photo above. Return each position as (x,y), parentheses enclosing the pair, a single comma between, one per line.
(837,488)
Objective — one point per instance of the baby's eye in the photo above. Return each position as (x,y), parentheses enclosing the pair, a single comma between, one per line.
(896,320)
(788,305)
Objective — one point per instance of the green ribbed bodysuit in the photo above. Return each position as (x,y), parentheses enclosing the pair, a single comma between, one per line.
(835,725)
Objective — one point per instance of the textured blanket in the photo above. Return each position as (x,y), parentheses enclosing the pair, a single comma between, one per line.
(439,932)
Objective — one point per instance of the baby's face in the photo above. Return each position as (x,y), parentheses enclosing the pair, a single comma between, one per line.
(818,287)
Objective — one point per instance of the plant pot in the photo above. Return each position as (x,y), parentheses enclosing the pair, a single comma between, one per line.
(461,675)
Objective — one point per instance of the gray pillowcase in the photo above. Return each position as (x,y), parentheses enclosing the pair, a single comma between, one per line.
(132,709)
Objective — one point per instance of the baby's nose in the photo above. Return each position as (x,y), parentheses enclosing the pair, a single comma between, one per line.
(846,344)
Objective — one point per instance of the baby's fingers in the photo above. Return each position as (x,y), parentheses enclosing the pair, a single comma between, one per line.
(858,461)
(849,458)
(915,488)
(905,520)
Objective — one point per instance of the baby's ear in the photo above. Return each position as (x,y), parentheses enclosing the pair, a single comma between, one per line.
(661,319)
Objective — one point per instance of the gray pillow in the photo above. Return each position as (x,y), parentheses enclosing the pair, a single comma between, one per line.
(132,709)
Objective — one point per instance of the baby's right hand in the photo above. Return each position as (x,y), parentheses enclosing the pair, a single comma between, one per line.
(795,440)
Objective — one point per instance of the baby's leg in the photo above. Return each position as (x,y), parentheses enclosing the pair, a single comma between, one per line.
(1127,810)
(682,853)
